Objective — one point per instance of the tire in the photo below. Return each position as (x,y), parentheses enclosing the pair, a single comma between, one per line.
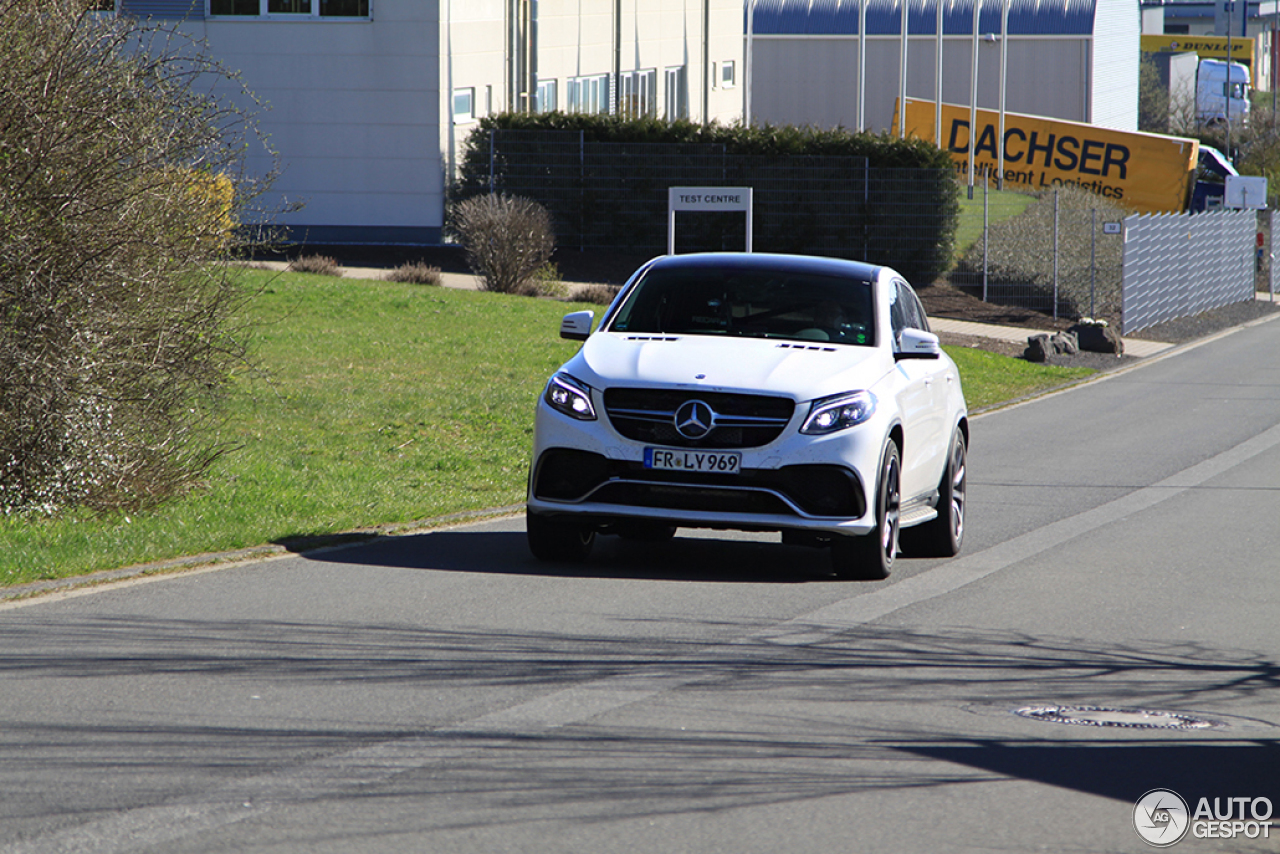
(558,540)
(943,536)
(870,557)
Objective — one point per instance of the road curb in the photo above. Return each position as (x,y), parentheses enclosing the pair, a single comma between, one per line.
(22,593)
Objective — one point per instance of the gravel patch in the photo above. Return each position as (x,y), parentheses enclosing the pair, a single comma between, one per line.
(1206,323)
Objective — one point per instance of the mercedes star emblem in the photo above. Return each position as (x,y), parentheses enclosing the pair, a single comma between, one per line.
(694,419)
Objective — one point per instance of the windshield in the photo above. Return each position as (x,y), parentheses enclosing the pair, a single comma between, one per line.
(751,303)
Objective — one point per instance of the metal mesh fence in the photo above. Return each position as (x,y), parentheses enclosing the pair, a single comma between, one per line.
(1038,253)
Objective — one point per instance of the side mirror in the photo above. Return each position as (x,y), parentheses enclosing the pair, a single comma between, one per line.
(918,344)
(577,326)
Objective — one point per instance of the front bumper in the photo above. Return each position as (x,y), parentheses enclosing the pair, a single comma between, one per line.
(589,471)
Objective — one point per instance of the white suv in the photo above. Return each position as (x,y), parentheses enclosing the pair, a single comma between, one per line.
(755,392)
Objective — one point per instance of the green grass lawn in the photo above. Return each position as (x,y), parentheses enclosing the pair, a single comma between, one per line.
(1002,205)
(377,403)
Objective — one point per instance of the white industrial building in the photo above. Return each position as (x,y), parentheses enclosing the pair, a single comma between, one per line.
(1068,59)
(370,99)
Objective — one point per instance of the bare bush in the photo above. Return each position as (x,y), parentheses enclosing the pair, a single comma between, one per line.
(320,265)
(121,182)
(507,239)
(546,282)
(415,273)
(598,294)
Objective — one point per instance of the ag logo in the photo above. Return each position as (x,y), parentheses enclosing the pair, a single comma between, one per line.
(694,419)
(1161,818)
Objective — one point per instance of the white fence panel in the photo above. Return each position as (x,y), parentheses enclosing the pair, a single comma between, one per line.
(1177,265)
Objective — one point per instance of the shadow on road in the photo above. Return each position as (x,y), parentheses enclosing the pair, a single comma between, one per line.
(680,559)
(1125,770)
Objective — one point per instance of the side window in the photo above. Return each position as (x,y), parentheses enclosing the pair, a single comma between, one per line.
(897,312)
(912,310)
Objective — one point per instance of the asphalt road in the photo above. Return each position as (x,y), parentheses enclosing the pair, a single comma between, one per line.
(443,692)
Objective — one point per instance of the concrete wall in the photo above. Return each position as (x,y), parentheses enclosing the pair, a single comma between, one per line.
(576,39)
(353,107)
(1115,55)
(361,111)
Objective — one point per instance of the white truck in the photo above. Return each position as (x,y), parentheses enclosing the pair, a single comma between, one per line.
(1222,91)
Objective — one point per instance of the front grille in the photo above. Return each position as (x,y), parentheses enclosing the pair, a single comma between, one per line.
(742,420)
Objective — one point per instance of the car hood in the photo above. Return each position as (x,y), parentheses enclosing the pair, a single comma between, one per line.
(797,369)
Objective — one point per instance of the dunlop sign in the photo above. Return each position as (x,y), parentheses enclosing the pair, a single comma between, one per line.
(1145,172)
(1206,47)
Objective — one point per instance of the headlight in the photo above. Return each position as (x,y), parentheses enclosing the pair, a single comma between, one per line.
(573,398)
(839,412)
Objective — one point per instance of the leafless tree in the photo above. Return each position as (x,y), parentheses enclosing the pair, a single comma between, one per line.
(122,181)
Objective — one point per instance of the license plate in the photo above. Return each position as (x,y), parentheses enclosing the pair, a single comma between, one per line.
(668,459)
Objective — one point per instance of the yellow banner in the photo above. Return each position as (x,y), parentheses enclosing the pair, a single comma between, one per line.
(1206,47)
(1145,172)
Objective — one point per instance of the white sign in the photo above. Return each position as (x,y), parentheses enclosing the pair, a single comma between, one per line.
(1111,228)
(707,200)
(1246,191)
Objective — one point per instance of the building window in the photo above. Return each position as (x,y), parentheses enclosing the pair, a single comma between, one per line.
(728,74)
(677,93)
(546,102)
(588,94)
(291,8)
(464,105)
(344,8)
(638,95)
(234,7)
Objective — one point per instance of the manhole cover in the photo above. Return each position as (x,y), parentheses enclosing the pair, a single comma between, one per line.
(1126,718)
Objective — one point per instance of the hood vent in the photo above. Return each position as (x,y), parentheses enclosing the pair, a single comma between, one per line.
(651,338)
(806,347)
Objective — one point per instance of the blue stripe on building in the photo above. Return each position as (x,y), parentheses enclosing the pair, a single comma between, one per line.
(167,9)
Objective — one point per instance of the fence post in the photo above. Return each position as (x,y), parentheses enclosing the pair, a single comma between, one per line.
(582,189)
(986,233)
(1055,254)
(1093,256)
(1271,246)
(492,131)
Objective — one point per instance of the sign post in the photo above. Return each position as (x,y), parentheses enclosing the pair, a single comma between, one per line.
(707,199)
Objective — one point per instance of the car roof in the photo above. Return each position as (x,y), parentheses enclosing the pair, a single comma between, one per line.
(770,261)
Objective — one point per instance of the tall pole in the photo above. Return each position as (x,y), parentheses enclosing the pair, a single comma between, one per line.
(1004,74)
(706,62)
(1230,7)
(617,57)
(973,94)
(902,71)
(937,83)
(748,75)
(862,65)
